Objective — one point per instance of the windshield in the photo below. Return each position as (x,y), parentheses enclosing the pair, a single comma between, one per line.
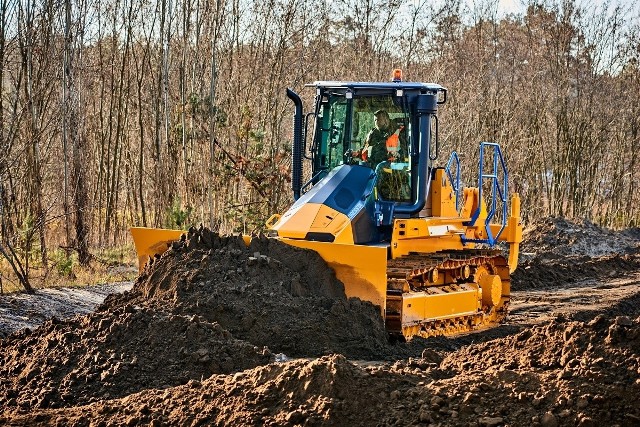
(373,131)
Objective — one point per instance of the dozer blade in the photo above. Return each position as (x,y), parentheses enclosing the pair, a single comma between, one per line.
(156,241)
(362,269)
(152,241)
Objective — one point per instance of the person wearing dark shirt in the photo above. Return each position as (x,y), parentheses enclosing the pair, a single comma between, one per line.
(385,144)
(379,144)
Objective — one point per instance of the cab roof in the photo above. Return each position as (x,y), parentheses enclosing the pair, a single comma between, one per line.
(383,86)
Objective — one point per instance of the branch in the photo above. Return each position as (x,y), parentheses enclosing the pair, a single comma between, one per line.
(17,269)
(234,160)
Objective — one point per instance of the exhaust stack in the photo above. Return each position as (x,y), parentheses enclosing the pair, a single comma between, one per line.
(296,146)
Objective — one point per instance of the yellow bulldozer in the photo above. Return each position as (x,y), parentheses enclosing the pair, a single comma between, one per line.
(397,229)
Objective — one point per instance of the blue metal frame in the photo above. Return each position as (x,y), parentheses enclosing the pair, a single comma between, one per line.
(497,189)
(455,184)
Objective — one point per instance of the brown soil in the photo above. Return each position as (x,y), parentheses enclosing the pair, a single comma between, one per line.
(215,333)
(556,252)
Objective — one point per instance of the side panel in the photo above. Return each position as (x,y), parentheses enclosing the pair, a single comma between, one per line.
(427,235)
(439,303)
(362,269)
(338,208)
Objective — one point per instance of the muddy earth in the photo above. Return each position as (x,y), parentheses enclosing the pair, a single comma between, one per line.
(217,333)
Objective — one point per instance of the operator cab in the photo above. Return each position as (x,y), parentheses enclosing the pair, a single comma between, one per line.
(371,156)
(372,131)
(346,132)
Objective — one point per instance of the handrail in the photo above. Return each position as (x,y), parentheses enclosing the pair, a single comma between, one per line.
(313,179)
(497,189)
(455,184)
(305,132)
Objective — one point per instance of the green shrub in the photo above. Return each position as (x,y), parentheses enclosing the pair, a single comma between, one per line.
(179,216)
(63,263)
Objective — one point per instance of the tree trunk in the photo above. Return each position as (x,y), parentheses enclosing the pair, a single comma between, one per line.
(78,141)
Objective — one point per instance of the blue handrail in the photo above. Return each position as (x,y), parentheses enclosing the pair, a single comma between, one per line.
(498,190)
(455,184)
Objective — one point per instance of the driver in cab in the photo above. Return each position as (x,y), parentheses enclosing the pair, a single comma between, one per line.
(382,143)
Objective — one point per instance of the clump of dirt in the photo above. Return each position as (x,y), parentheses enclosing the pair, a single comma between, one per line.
(268,293)
(556,252)
(112,354)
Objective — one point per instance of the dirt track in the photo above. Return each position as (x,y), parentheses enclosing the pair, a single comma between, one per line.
(20,310)
(217,334)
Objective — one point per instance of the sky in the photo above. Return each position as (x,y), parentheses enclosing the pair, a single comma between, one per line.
(508,6)
(517,6)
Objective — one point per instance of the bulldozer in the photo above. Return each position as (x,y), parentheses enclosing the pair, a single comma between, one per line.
(390,217)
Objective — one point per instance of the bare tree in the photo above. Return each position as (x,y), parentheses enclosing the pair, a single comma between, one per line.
(176,105)
(73,130)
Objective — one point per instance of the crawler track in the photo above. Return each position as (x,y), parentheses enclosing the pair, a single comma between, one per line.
(442,293)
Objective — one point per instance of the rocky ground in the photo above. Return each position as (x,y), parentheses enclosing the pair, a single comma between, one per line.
(214,333)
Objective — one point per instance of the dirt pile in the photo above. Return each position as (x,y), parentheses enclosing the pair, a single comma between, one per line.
(555,238)
(113,354)
(556,252)
(209,305)
(564,373)
(206,335)
(269,294)
(325,391)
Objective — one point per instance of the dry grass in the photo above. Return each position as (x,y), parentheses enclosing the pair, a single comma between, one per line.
(108,265)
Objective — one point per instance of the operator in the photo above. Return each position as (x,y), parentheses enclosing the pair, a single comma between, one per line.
(382,142)
(384,145)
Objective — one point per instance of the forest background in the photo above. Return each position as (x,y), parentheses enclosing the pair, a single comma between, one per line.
(164,114)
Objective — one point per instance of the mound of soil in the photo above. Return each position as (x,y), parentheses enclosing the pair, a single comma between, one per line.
(556,252)
(556,238)
(113,354)
(195,342)
(209,305)
(564,373)
(269,294)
